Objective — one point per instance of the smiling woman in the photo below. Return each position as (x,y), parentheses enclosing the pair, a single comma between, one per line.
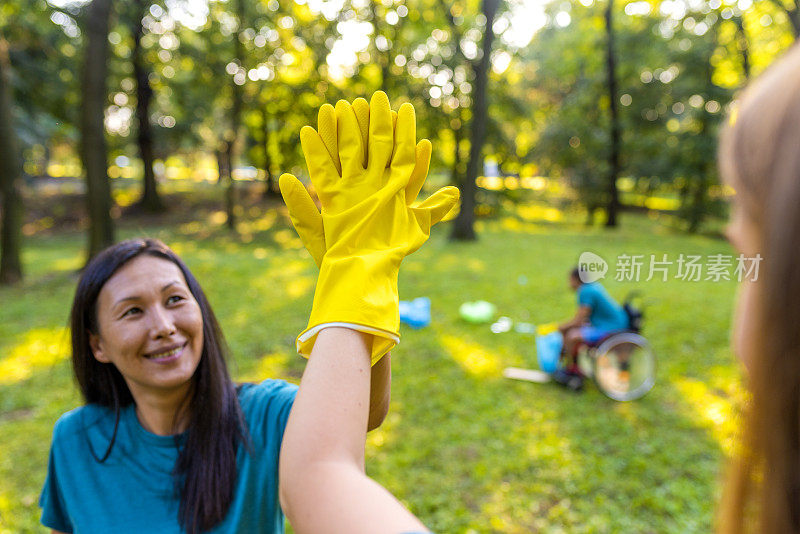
(166,442)
(161,412)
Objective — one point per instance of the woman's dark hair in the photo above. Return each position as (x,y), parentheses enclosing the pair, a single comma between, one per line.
(205,472)
(576,274)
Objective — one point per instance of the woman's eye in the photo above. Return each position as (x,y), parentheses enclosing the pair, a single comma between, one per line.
(174,298)
(131,311)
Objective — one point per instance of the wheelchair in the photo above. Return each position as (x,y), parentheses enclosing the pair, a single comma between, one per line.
(622,364)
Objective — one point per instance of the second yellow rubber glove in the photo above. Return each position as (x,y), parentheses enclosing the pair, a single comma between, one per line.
(369,224)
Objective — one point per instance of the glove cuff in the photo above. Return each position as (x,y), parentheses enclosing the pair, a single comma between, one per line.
(358,292)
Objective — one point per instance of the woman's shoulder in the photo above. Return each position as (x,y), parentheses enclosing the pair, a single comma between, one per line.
(266,407)
(77,420)
(269,390)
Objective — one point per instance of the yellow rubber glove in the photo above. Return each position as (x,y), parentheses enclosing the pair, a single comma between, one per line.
(303,212)
(369,224)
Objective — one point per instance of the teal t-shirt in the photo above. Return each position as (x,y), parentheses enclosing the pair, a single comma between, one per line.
(606,313)
(133,490)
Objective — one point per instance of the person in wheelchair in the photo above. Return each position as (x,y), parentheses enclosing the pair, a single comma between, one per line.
(598,315)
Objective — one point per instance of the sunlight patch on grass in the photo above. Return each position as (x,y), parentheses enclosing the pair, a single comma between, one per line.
(475,359)
(660,203)
(532,212)
(443,262)
(712,410)
(41,347)
(190,227)
(5,511)
(261,224)
(475,265)
(68,264)
(184,247)
(282,269)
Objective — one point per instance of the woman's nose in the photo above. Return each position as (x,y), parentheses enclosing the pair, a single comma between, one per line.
(163,324)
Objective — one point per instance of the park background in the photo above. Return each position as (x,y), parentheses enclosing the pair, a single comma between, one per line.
(569,126)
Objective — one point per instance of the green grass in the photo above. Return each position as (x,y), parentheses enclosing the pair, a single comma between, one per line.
(464,448)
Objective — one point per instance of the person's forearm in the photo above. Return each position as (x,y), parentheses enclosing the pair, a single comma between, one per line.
(580,319)
(572,323)
(323,487)
(380,392)
(329,416)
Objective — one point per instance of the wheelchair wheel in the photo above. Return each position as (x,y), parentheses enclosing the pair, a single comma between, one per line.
(624,367)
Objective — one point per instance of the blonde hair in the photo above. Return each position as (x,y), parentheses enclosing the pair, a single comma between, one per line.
(760,157)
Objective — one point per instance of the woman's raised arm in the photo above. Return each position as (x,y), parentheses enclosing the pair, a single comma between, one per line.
(323,486)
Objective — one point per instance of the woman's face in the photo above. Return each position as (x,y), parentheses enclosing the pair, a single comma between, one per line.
(150,327)
(742,235)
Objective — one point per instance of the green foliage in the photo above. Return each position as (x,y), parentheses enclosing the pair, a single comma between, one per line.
(464,448)
(44,51)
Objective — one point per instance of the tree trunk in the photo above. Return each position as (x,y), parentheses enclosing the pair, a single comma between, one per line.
(590,210)
(270,190)
(230,190)
(151,200)
(613,157)
(93,141)
(455,173)
(698,201)
(10,180)
(463,227)
(743,45)
(698,187)
(236,111)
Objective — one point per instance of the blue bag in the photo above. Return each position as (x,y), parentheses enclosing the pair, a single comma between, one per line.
(548,351)
(417,313)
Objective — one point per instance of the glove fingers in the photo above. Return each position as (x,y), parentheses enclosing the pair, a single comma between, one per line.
(361,109)
(381,135)
(326,127)
(394,129)
(351,146)
(420,172)
(320,166)
(305,217)
(405,142)
(440,203)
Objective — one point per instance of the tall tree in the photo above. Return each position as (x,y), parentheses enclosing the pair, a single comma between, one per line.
(457,120)
(270,191)
(612,207)
(463,227)
(10,180)
(151,200)
(93,140)
(742,44)
(237,102)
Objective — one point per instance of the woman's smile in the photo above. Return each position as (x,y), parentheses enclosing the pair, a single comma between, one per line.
(166,354)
